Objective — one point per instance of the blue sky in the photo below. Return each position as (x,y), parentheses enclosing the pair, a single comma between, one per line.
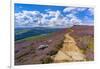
(27,15)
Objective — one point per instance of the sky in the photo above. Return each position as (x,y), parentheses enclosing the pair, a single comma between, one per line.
(32,15)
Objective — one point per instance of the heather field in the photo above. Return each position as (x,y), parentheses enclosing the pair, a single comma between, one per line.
(42,49)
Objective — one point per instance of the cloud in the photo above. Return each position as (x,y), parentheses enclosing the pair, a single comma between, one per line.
(54,13)
(68,9)
(87,20)
(27,18)
(91,11)
(58,20)
(73,10)
(49,18)
(37,19)
(81,9)
(70,15)
(73,19)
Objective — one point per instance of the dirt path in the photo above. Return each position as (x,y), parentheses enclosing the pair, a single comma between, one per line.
(69,52)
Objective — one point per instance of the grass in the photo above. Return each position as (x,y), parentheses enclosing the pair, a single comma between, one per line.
(34,37)
(21,31)
(87,46)
(21,57)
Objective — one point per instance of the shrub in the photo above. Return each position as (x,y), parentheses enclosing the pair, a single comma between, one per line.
(52,52)
(70,30)
(32,49)
(59,46)
(47,60)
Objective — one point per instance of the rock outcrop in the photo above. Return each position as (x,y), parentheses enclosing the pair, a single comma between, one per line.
(69,51)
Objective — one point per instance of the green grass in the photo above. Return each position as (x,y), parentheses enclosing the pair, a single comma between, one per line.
(35,37)
(21,31)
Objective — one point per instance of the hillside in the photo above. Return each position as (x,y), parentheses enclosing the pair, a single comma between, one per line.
(43,49)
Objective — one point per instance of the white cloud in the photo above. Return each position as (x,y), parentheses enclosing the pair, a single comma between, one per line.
(26,18)
(91,10)
(38,19)
(73,10)
(81,9)
(68,9)
(54,13)
(31,12)
(59,20)
(70,15)
(73,19)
